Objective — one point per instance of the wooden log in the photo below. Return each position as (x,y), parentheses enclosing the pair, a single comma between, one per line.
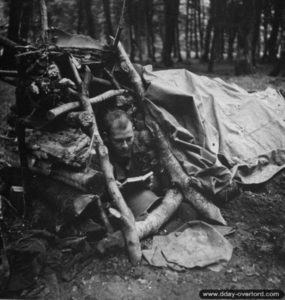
(178,176)
(133,75)
(64,108)
(169,161)
(161,214)
(150,225)
(128,228)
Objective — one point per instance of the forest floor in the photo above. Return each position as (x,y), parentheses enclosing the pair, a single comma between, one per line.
(258,216)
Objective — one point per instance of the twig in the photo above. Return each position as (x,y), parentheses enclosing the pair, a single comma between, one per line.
(64,108)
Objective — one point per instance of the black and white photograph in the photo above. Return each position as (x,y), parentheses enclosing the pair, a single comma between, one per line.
(142,149)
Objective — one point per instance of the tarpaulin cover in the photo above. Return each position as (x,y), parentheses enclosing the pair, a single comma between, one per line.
(218,131)
(195,244)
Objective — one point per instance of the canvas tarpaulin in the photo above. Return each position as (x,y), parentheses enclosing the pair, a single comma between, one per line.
(218,131)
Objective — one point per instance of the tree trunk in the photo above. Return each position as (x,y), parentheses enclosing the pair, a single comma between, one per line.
(44,20)
(177,44)
(267,17)
(196,29)
(213,50)
(108,24)
(232,37)
(280,64)
(15,12)
(80,15)
(214,7)
(89,16)
(26,18)
(171,9)
(131,28)
(256,33)
(277,22)
(200,26)
(208,35)
(244,63)
(188,54)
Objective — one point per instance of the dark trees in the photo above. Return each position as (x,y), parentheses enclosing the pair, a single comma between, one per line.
(243,29)
(20,15)
(244,64)
(89,18)
(280,63)
(276,24)
(149,29)
(171,10)
(108,22)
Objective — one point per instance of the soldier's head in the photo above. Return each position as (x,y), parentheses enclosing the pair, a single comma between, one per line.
(119,133)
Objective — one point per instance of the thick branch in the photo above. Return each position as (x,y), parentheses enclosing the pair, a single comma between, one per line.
(161,214)
(133,75)
(150,225)
(206,208)
(64,108)
(129,229)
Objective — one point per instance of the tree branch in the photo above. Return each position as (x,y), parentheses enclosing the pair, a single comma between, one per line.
(128,228)
(64,108)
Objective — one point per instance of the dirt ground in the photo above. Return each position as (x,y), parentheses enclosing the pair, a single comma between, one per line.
(258,217)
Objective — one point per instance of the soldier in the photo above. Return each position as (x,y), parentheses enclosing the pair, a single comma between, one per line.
(129,162)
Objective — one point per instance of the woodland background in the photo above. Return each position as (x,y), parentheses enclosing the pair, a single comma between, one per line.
(246,32)
(221,37)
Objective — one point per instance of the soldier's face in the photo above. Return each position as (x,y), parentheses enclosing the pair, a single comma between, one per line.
(121,140)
